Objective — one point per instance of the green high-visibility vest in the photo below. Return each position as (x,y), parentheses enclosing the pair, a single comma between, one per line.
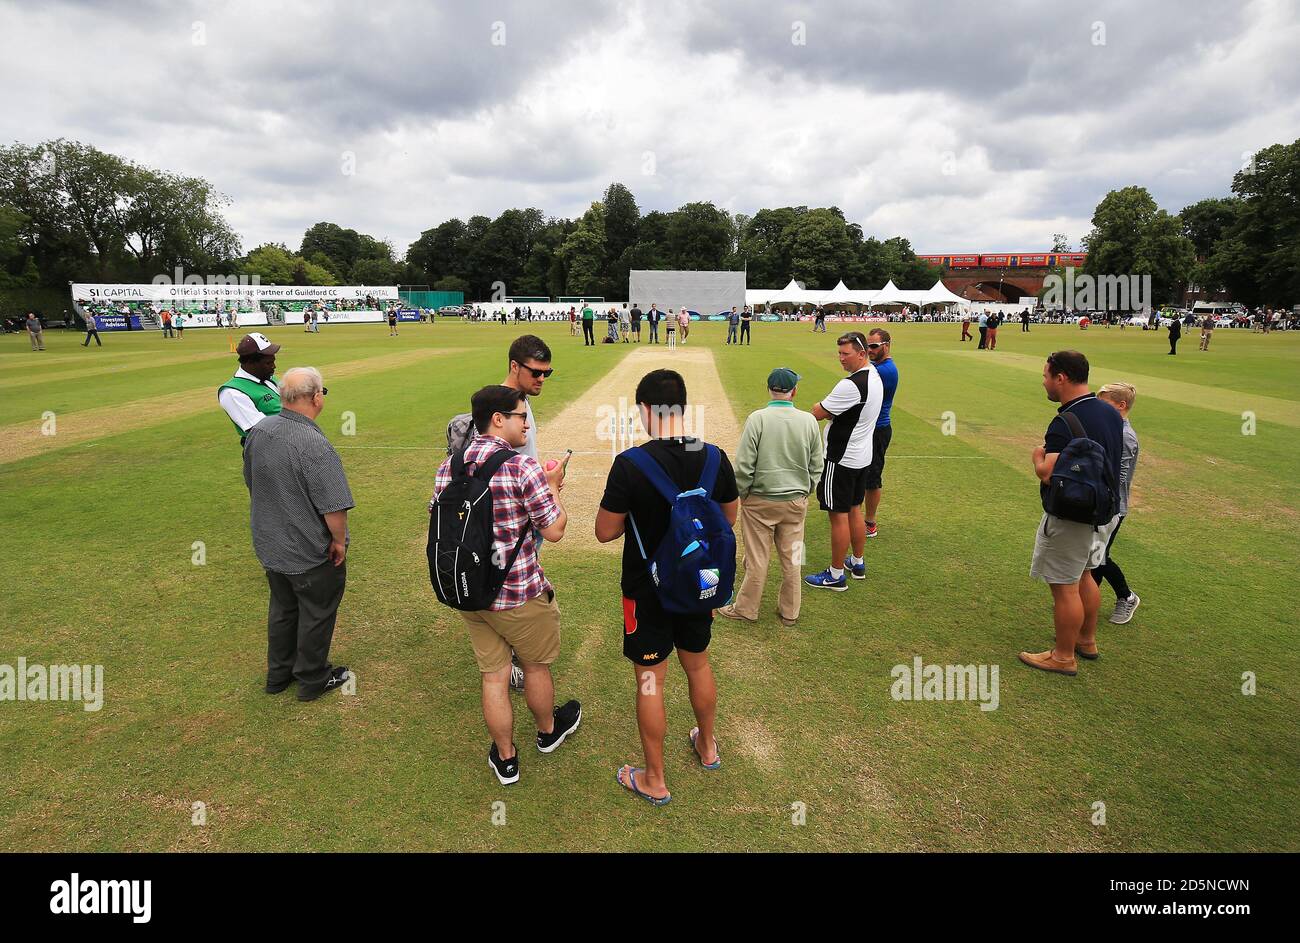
(264,398)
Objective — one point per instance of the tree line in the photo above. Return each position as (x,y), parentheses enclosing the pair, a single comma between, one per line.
(70,212)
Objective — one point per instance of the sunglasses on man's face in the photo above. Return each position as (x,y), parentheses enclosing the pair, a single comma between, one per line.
(874,346)
(538,374)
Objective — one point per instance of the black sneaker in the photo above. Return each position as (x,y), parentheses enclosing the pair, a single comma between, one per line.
(567,718)
(278,687)
(507,770)
(335,680)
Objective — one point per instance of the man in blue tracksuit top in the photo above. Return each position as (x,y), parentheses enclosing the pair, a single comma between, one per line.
(878,351)
(733,322)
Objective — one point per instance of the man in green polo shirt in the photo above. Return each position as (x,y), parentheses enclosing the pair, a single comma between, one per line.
(778,463)
(254,391)
(588,326)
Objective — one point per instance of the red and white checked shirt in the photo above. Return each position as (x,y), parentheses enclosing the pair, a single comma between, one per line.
(521,500)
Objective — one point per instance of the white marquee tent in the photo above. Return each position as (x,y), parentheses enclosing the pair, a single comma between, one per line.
(891,296)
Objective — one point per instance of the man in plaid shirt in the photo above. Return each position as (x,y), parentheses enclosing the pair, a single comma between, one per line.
(524,616)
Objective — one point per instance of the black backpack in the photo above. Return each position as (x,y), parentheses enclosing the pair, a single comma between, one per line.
(465,570)
(1082,485)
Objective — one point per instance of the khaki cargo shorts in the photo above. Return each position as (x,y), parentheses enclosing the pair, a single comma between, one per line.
(532,630)
(1063,549)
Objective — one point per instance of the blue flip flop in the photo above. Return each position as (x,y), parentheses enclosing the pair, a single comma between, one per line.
(716,764)
(631,778)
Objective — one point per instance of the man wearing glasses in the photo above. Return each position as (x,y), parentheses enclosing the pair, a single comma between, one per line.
(853,407)
(524,618)
(878,351)
(529,366)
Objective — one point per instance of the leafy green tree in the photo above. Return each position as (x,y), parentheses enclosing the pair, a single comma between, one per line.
(821,249)
(342,247)
(699,237)
(583,253)
(1258,256)
(274,264)
(1207,221)
(451,283)
(440,251)
(1132,236)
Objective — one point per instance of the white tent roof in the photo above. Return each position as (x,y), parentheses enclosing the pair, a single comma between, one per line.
(939,294)
(793,294)
(891,294)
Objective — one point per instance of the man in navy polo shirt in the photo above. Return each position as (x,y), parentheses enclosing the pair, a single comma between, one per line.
(1065,550)
(878,351)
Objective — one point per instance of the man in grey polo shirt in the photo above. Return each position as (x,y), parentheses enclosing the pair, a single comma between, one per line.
(300,502)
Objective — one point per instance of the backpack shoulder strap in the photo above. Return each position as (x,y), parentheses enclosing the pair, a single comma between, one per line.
(489,467)
(666,487)
(712,462)
(1076,427)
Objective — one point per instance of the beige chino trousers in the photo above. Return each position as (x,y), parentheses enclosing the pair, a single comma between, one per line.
(764,523)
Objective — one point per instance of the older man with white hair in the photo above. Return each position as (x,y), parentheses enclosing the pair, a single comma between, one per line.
(300,501)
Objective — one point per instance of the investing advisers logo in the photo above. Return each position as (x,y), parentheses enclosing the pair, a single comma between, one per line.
(76,896)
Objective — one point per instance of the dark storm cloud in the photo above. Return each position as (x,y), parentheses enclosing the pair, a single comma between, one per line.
(1018,54)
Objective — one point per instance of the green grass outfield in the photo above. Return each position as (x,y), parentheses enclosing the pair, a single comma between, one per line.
(98,525)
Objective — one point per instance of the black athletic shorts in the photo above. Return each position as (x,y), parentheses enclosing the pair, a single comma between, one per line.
(879,446)
(649,633)
(841,489)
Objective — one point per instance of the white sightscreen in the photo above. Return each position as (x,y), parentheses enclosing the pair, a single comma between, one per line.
(703,292)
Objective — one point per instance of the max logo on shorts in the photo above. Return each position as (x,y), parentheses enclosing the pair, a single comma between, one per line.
(650,657)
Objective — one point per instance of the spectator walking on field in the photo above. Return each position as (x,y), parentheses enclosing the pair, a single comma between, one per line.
(965,327)
(778,463)
(1175,332)
(1207,331)
(650,631)
(746,317)
(524,616)
(636,322)
(733,326)
(92,330)
(35,331)
(1121,396)
(624,323)
(653,317)
(1064,548)
(299,514)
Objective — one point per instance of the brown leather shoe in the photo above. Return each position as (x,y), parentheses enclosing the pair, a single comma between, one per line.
(1087,650)
(1047,661)
(788,623)
(729,612)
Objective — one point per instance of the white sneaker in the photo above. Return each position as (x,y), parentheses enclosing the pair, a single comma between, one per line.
(1124,609)
(516,677)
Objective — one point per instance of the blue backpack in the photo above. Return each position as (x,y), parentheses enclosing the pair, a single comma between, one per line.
(1082,485)
(694,567)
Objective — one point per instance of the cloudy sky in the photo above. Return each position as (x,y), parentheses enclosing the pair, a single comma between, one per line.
(960,125)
